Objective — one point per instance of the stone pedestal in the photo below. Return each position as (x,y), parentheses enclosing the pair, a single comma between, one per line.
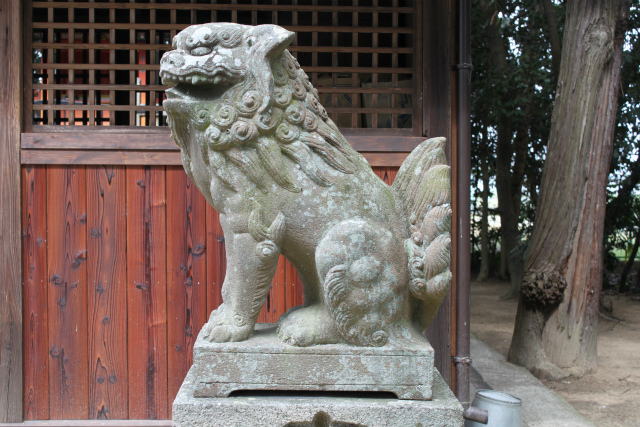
(263,362)
(286,409)
(324,385)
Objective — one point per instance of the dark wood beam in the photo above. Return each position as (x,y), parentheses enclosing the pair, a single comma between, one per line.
(10,248)
(83,139)
(141,157)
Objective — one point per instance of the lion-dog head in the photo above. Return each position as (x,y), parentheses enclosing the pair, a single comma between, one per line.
(237,92)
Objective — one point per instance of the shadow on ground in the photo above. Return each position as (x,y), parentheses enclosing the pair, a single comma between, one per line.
(611,395)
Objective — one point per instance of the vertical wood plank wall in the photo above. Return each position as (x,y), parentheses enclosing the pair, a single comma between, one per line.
(122,266)
(11,378)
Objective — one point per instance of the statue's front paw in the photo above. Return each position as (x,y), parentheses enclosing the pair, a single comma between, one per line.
(224,326)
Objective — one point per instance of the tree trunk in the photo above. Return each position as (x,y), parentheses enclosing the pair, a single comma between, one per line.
(556,325)
(551,30)
(485,252)
(508,202)
(515,253)
(628,266)
(503,273)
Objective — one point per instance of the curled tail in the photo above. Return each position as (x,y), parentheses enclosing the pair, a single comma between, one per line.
(423,185)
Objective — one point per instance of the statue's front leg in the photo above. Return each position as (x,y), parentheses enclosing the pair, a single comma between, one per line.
(251,263)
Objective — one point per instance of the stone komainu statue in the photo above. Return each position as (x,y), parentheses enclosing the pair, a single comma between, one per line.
(261,148)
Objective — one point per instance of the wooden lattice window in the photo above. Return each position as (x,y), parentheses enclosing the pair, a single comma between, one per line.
(95,63)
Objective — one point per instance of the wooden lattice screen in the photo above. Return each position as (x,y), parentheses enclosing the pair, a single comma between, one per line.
(95,63)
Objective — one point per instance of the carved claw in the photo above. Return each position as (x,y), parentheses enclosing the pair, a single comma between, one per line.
(308,326)
(225,333)
(223,326)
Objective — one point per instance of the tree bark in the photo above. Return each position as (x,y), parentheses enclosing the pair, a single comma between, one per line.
(556,324)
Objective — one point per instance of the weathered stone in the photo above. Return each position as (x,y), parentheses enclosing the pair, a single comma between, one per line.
(277,410)
(374,259)
(254,138)
(263,362)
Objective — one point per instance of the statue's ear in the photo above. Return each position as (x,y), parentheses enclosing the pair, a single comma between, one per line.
(266,40)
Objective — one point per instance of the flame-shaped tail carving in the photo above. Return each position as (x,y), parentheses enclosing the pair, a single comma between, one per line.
(423,185)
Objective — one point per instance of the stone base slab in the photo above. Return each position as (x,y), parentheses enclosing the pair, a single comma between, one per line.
(263,362)
(280,410)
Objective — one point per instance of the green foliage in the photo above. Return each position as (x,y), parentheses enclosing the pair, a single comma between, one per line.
(520,93)
(623,207)
(517,88)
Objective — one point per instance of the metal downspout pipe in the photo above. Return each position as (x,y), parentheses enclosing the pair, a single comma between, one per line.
(462,358)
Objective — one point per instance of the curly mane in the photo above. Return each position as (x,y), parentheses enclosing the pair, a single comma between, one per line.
(267,124)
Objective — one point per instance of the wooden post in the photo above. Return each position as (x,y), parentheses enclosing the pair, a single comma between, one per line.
(10,249)
(437,106)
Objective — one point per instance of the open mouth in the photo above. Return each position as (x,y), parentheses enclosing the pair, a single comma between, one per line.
(182,91)
(185,91)
(194,84)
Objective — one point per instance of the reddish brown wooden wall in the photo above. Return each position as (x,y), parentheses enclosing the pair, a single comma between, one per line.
(122,265)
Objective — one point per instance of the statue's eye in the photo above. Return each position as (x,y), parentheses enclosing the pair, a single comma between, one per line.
(201,50)
(229,38)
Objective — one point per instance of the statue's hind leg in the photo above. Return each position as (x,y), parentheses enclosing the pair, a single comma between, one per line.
(311,324)
(361,270)
(307,326)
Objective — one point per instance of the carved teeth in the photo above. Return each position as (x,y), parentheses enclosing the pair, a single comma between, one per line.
(191,79)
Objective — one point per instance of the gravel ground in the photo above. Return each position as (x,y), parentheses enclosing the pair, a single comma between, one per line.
(610,396)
